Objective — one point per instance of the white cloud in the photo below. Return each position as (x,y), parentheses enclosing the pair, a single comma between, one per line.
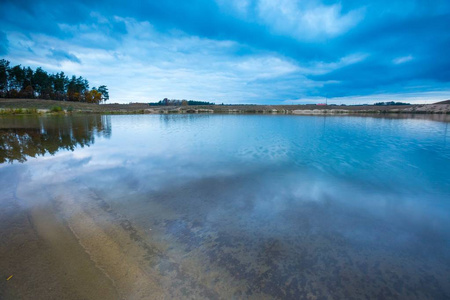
(304,20)
(264,67)
(307,20)
(146,65)
(403,59)
(317,68)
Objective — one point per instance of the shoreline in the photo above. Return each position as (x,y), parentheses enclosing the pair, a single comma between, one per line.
(38,106)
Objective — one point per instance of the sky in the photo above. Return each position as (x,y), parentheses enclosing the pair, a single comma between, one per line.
(239,51)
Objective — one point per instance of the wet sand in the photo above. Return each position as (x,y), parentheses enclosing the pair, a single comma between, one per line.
(59,250)
(65,242)
(44,256)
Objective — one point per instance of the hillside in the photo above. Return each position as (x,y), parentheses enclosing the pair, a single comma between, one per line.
(443,102)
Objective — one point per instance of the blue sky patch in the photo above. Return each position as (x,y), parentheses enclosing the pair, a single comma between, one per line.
(239,51)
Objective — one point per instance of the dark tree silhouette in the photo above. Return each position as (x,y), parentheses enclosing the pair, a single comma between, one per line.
(23,82)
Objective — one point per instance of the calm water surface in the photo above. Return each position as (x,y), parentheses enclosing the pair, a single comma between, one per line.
(227,206)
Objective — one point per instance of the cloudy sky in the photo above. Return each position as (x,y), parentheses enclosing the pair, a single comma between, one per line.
(238,51)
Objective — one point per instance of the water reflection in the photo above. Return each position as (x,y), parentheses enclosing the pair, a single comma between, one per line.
(22,137)
(256,207)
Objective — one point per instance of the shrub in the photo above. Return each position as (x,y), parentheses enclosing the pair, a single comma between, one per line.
(31,111)
(56,108)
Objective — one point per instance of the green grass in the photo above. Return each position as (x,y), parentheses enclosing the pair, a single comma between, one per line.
(18,111)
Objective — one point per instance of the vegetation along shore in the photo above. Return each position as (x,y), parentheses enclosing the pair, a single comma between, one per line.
(40,106)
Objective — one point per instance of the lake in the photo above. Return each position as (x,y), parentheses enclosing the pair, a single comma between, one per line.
(225,206)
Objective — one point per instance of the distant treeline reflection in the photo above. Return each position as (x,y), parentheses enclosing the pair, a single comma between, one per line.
(25,137)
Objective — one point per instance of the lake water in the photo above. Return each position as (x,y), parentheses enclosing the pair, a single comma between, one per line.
(225,206)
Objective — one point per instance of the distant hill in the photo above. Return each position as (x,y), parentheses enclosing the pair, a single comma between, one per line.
(443,102)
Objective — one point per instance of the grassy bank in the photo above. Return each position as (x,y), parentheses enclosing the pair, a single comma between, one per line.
(34,106)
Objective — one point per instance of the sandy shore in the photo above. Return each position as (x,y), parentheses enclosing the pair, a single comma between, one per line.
(60,247)
(63,241)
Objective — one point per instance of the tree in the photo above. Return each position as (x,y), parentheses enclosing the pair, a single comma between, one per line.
(42,84)
(23,82)
(93,96)
(16,78)
(27,77)
(76,88)
(104,91)
(59,84)
(27,92)
(71,88)
(4,70)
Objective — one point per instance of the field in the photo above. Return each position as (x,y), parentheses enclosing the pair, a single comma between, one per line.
(12,105)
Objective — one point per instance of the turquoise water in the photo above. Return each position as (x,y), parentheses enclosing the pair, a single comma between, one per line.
(272,206)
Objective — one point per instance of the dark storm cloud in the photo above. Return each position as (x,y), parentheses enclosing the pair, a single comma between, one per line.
(324,48)
(403,53)
(207,19)
(41,16)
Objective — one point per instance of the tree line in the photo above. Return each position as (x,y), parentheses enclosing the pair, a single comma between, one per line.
(175,102)
(391,103)
(24,82)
